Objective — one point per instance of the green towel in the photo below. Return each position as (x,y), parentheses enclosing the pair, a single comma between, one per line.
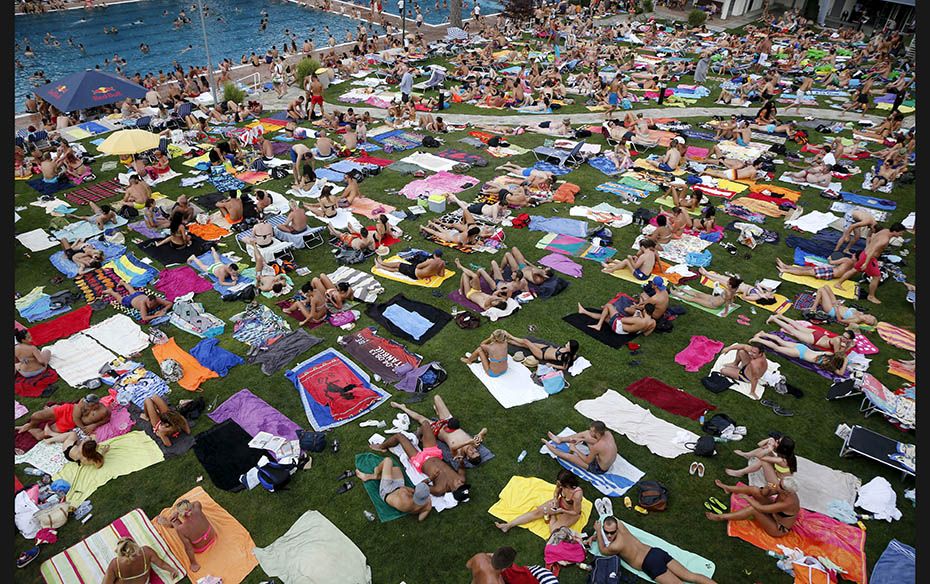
(639,184)
(715,311)
(366,462)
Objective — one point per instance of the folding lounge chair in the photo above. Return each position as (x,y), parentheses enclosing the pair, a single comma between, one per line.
(899,408)
(143,123)
(277,248)
(437,78)
(40,140)
(869,444)
(564,157)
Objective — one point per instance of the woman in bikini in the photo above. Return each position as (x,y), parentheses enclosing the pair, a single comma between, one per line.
(83,452)
(196,532)
(77,171)
(774,507)
(133,564)
(816,337)
(86,256)
(179,238)
(311,303)
(384,229)
(328,205)
(470,287)
(517,262)
(29,360)
(749,292)
(160,167)
(826,301)
(835,363)
(774,456)
(707,221)
(167,424)
(334,295)
(556,357)
(722,297)
(563,510)
(492,352)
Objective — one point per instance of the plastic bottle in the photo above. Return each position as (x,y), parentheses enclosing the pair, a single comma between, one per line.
(33,471)
(522,456)
(369,515)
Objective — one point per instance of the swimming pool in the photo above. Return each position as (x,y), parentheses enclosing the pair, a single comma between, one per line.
(433,15)
(236,35)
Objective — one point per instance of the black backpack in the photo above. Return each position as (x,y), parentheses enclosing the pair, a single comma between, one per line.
(717,424)
(430,142)
(274,476)
(311,441)
(717,382)
(128,212)
(608,570)
(705,446)
(653,496)
(431,378)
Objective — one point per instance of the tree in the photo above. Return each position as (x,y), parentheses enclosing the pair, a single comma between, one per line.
(455,13)
(519,10)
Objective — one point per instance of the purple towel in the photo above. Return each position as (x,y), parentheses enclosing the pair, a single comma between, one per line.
(254,415)
(562,264)
(460,299)
(175,282)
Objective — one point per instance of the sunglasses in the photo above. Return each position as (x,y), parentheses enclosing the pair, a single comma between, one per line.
(610,532)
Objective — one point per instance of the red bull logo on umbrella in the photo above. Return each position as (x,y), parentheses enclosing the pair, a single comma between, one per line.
(101,93)
(59,91)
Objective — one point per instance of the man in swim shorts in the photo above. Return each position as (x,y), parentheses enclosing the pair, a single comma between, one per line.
(600,443)
(394,492)
(85,415)
(614,539)
(749,366)
(226,275)
(867,262)
(316,96)
(428,461)
(421,269)
(149,306)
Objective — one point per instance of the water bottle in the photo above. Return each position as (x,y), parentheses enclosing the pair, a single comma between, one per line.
(369,515)
(522,456)
(34,472)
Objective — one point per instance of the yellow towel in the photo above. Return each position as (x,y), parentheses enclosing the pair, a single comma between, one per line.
(523,494)
(668,202)
(192,162)
(431,282)
(736,187)
(782,304)
(648,166)
(847,291)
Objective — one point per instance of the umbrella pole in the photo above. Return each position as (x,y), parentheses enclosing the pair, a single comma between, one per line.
(203,27)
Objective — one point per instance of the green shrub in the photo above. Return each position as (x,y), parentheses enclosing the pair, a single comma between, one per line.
(233,93)
(696,18)
(648,6)
(305,68)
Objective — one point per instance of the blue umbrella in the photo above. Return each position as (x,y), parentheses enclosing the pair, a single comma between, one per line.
(89,89)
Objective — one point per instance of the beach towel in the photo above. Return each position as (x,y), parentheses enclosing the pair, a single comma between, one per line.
(147,232)
(604,164)
(194,373)
(314,551)
(166,255)
(49,188)
(37,240)
(127,454)
(515,387)
(818,485)
(691,561)
(120,334)
(131,269)
(36,386)
(36,305)
(814,534)
(78,358)
(371,209)
(431,282)
(781,304)
(120,422)
(895,367)
(560,225)
(334,390)
(523,494)
(179,444)
(661,269)
(87,560)
(211,355)
(670,399)
(383,357)
(86,230)
(771,373)
(462,157)
(439,502)
(897,336)
(638,424)
(95,192)
(821,371)
(206,259)
(614,483)
(224,452)
(562,264)
(230,558)
(61,327)
(847,291)
(605,335)
(47,457)
(721,312)
(867,201)
(366,462)
(254,415)
(427,312)
(699,352)
(897,564)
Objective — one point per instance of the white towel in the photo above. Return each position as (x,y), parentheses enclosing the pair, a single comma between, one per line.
(37,240)
(879,498)
(442,503)
(78,359)
(638,424)
(813,222)
(514,388)
(430,162)
(495,313)
(120,334)
(771,376)
(818,485)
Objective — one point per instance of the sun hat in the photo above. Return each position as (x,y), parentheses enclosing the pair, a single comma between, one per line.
(531,361)
(519,356)
(382,250)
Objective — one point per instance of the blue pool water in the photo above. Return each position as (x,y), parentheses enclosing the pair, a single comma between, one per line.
(237,35)
(433,15)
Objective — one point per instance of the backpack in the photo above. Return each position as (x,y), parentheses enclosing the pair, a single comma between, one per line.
(606,570)
(246,294)
(467,320)
(128,212)
(171,370)
(705,446)
(801,137)
(274,476)
(642,216)
(430,142)
(431,378)
(278,172)
(653,496)
(717,424)
(605,235)
(311,441)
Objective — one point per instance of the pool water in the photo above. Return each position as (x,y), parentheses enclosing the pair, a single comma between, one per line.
(231,39)
(433,15)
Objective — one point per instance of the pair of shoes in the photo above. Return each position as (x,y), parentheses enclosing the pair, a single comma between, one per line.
(604,507)
(715,506)
(344,487)
(697,467)
(401,423)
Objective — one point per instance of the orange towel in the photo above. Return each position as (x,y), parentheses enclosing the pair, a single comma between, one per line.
(194,372)
(208,231)
(814,534)
(566,193)
(230,558)
(898,368)
(787,193)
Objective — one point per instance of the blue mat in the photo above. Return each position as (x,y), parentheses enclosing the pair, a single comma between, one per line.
(559,225)
(867,201)
(45,188)
(330,175)
(604,165)
(207,259)
(549,167)
(897,565)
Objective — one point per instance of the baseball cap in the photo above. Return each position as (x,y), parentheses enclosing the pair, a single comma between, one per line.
(437,253)
(420,493)
(658,283)
(91,398)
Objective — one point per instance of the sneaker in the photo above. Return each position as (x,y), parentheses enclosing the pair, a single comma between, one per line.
(26,557)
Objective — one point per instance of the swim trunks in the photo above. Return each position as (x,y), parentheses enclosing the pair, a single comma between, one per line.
(595,468)
(64,417)
(640,275)
(389,485)
(823,272)
(408,270)
(665,167)
(475,208)
(421,457)
(316,99)
(656,562)
(871,270)
(127,300)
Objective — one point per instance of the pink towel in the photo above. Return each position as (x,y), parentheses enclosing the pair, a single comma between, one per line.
(561,263)
(699,352)
(178,281)
(564,551)
(120,423)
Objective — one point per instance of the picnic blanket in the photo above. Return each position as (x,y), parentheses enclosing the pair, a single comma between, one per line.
(818,485)
(94,192)
(614,483)
(638,424)
(37,240)
(87,560)
(523,494)
(127,454)
(366,462)
(515,387)
(229,558)
(670,399)
(314,551)
(431,282)
(814,534)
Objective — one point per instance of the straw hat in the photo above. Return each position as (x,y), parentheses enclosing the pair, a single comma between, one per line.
(531,361)
(519,356)
(382,250)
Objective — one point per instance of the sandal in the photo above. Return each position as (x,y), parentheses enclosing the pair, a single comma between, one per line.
(627,503)
(780,411)
(716,503)
(346,475)
(344,487)
(693,468)
(712,509)
(700,470)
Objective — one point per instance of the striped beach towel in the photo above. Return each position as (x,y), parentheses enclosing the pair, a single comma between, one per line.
(614,483)
(897,336)
(95,192)
(87,560)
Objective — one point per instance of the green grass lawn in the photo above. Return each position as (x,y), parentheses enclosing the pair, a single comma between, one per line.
(448,539)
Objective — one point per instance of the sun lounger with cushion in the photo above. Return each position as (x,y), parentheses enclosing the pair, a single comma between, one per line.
(879,448)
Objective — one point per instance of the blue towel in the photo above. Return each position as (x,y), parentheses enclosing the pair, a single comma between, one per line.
(207,259)
(548,167)
(898,563)
(40,309)
(215,358)
(867,201)
(612,485)
(85,229)
(559,225)
(330,175)
(604,165)
(45,188)
(412,323)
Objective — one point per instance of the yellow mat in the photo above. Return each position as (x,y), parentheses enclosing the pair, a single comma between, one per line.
(523,494)
(659,270)
(782,304)
(431,282)
(192,162)
(668,202)
(736,187)
(643,164)
(847,291)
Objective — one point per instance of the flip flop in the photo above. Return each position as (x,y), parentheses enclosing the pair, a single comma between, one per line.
(346,475)
(780,411)
(768,403)
(344,487)
(716,502)
(627,503)
(693,468)
(639,509)
(700,470)
(712,509)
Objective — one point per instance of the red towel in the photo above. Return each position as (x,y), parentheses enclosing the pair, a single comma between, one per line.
(64,326)
(366,159)
(670,399)
(34,386)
